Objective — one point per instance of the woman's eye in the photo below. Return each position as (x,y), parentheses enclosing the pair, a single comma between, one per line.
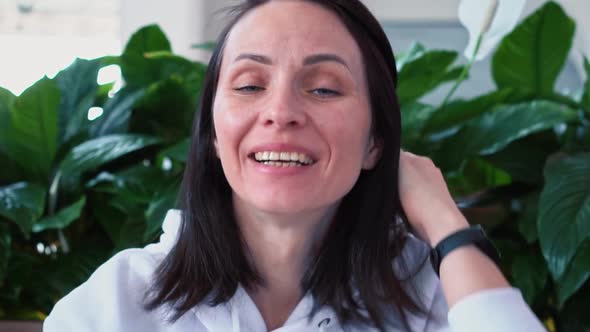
(324,92)
(249,88)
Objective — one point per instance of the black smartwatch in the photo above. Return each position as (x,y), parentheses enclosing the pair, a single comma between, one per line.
(473,235)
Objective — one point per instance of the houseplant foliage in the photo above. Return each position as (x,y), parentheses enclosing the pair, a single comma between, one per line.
(74,191)
(518,161)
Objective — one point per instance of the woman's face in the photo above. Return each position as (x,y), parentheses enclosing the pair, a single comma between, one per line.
(291,111)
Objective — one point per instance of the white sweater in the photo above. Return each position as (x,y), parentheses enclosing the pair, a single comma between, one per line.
(110,301)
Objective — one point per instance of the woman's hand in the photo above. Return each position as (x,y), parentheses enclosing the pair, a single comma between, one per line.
(426,199)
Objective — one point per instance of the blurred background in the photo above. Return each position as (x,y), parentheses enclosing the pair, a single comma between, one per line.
(41,37)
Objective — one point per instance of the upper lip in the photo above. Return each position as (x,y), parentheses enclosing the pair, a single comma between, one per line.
(282,147)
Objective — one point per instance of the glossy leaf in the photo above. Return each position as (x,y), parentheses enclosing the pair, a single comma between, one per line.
(62,218)
(78,87)
(494,130)
(532,56)
(32,137)
(10,170)
(460,111)
(529,273)
(524,159)
(424,73)
(178,151)
(147,39)
(414,117)
(6,101)
(164,201)
(116,113)
(586,93)
(527,223)
(22,203)
(178,96)
(96,152)
(5,250)
(564,211)
(576,275)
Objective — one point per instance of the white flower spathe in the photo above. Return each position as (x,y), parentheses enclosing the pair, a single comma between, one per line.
(490,19)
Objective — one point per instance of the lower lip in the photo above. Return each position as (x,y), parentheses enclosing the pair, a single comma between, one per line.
(279,170)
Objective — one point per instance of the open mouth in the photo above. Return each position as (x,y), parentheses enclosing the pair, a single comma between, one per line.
(282,158)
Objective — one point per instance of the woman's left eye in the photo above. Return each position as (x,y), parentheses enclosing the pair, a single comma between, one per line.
(324,92)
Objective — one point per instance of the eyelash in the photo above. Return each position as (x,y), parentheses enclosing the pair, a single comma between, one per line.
(249,89)
(319,92)
(325,92)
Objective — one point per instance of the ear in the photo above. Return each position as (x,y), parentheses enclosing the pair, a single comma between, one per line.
(372,154)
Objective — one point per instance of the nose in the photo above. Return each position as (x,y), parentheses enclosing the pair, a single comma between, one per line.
(283,110)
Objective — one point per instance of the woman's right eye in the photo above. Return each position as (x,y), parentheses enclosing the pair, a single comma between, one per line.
(249,88)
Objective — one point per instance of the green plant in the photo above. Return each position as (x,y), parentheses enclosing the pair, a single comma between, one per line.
(516,158)
(73,191)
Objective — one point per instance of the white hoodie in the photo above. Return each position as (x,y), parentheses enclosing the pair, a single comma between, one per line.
(110,301)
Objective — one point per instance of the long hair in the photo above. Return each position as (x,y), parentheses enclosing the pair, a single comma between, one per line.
(353,271)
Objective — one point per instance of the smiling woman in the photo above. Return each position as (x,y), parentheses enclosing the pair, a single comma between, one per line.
(299,211)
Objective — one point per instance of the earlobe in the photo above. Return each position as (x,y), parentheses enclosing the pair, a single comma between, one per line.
(372,155)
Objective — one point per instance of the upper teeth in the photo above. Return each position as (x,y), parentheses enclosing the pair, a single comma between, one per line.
(283,156)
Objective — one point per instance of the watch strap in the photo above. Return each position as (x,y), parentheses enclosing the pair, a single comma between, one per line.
(474,235)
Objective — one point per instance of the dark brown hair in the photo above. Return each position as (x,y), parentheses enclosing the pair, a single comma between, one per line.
(353,270)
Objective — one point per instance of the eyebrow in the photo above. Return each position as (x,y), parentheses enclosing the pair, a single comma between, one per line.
(308,61)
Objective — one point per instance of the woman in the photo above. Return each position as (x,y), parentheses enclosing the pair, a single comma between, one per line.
(294,179)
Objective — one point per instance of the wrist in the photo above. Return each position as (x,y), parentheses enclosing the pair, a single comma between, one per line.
(446,226)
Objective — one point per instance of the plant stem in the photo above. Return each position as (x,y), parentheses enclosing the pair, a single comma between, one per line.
(464,73)
(52,204)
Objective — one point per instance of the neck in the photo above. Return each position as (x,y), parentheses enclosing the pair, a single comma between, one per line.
(280,247)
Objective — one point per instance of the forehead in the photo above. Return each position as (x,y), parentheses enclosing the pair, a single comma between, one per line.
(292,29)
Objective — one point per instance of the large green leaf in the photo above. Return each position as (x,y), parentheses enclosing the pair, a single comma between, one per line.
(178,151)
(5,250)
(78,87)
(564,211)
(10,170)
(136,184)
(32,137)
(147,39)
(147,58)
(533,54)
(164,201)
(494,130)
(6,101)
(525,158)
(62,219)
(94,153)
(576,275)
(527,223)
(586,94)
(423,74)
(116,113)
(477,175)
(169,105)
(414,117)
(22,203)
(529,273)
(458,112)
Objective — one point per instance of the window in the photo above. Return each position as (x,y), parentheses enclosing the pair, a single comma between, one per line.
(42,37)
